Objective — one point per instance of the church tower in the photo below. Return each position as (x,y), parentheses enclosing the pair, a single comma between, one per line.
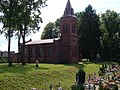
(68,27)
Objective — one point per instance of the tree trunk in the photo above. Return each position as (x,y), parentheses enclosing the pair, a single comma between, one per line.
(18,56)
(23,51)
(23,47)
(23,37)
(9,54)
(9,34)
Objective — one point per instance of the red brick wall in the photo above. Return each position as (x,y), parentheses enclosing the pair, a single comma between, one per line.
(69,39)
(46,57)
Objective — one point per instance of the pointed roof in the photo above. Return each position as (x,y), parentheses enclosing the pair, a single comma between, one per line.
(68,10)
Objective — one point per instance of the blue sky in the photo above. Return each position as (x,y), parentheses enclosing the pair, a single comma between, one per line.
(55,10)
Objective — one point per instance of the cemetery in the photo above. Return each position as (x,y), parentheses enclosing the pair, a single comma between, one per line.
(109,78)
(60,76)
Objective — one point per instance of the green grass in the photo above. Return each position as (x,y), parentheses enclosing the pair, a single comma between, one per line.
(20,77)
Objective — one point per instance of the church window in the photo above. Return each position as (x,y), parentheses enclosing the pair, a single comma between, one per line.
(50,51)
(33,51)
(40,51)
(73,28)
(65,28)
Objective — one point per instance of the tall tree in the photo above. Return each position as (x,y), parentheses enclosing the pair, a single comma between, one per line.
(7,10)
(22,16)
(51,30)
(110,27)
(28,19)
(88,32)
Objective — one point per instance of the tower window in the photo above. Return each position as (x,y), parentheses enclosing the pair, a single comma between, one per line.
(65,28)
(73,28)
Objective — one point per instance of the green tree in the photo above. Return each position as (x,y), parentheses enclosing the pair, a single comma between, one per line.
(110,27)
(51,30)
(28,19)
(24,18)
(88,32)
(7,10)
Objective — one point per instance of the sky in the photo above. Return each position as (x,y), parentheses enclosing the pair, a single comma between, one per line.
(55,10)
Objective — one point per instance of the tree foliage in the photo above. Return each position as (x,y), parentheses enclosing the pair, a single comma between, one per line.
(88,32)
(30,14)
(51,30)
(7,10)
(110,27)
(21,16)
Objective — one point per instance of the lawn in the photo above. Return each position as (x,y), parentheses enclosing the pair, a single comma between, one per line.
(20,77)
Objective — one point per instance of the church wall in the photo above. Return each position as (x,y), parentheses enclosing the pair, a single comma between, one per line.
(43,52)
(40,53)
(57,51)
(69,39)
(49,53)
(31,53)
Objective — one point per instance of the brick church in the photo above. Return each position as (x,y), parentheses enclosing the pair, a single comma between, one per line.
(57,50)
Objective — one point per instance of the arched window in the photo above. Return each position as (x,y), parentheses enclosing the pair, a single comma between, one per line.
(65,28)
(73,28)
(33,51)
(50,51)
(40,51)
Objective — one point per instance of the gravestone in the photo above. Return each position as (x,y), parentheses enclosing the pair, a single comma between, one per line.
(80,77)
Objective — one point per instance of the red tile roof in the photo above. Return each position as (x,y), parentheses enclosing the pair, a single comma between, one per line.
(41,41)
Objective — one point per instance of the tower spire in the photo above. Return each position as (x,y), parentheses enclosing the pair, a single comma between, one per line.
(68,10)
